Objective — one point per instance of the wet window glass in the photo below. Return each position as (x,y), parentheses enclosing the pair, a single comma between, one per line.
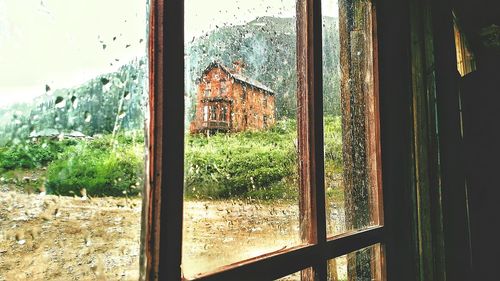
(352,169)
(241,187)
(73,103)
(362,265)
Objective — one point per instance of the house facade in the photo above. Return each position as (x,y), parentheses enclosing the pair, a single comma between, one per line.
(228,101)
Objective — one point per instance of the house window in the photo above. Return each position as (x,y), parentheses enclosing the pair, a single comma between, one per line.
(264,102)
(208,89)
(244,94)
(264,120)
(223,87)
(213,112)
(251,217)
(223,113)
(205,113)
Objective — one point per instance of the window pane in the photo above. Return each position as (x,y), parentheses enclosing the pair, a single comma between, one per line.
(352,170)
(72,113)
(241,187)
(363,265)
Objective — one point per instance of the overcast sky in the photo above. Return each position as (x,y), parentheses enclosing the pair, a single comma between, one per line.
(60,42)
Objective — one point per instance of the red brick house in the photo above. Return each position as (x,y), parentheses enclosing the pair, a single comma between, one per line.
(228,101)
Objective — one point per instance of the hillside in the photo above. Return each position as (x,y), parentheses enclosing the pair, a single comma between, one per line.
(102,105)
(267,45)
(113,101)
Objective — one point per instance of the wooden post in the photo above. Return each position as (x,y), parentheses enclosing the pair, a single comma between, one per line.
(310,131)
(360,123)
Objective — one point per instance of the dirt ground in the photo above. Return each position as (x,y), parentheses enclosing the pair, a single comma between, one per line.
(47,237)
(224,232)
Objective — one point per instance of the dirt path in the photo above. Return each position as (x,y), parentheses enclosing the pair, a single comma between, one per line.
(46,237)
(224,232)
(63,238)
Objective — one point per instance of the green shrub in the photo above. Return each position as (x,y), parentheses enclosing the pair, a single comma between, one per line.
(102,167)
(30,155)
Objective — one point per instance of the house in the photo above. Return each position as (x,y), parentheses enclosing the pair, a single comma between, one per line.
(229,101)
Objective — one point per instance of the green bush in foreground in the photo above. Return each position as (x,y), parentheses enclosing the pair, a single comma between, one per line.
(31,155)
(102,167)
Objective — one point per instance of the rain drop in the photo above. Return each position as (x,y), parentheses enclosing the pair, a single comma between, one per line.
(59,102)
(74,102)
(87,116)
(104,80)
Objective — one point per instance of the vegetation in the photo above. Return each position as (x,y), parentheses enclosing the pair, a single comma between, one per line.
(104,105)
(260,165)
(30,154)
(104,166)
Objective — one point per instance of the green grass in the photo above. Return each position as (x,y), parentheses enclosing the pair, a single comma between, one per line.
(261,165)
(103,167)
(29,154)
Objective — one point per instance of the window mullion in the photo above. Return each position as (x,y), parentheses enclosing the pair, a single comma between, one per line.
(163,238)
(310,129)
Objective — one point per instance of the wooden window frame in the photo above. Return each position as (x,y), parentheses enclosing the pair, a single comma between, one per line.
(163,203)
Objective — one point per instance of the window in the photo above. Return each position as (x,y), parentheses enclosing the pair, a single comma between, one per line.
(223,113)
(208,89)
(213,112)
(73,107)
(223,87)
(205,113)
(354,202)
(244,94)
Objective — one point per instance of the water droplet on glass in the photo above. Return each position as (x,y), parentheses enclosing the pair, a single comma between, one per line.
(104,80)
(60,103)
(74,102)
(87,116)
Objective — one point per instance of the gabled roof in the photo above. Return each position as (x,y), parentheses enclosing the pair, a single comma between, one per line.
(239,77)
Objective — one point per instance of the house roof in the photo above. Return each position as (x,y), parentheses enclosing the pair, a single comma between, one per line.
(239,77)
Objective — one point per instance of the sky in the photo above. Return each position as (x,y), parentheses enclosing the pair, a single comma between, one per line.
(60,43)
